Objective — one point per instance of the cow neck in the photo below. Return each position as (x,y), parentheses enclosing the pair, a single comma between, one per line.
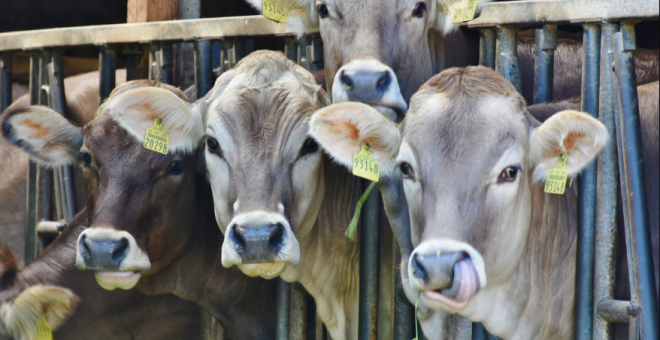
(540,294)
(329,263)
(196,274)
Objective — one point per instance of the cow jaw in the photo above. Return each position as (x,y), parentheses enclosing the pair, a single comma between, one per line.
(113,280)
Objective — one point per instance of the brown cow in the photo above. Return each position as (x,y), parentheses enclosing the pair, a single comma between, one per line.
(151,220)
(494,248)
(76,307)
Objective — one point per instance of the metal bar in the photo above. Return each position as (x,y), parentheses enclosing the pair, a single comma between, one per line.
(216,54)
(227,59)
(291,49)
(507,63)
(615,310)
(487,45)
(633,186)
(133,53)
(146,32)
(154,70)
(239,50)
(317,53)
(107,70)
(44,177)
(298,316)
(51,227)
(166,62)
(303,46)
(546,44)
(31,190)
(203,67)
(369,242)
(283,302)
(67,189)
(6,59)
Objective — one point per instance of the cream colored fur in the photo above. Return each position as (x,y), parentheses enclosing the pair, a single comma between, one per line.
(135,111)
(21,317)
(585,135)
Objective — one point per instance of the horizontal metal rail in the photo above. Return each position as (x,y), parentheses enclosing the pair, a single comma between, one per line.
(173,30)
(523,13)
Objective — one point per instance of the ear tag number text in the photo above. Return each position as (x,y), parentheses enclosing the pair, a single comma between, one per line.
(365,165)
(557,177)
(44,330)
(464,13)
(272,10)
(155,139)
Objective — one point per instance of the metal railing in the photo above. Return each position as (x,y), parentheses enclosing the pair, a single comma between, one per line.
(608,93)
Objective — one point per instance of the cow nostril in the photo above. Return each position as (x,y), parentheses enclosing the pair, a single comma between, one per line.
(418,269)
(384,80)
(276,236)
(346,79)
(83,245)
(237,235)
(119,249)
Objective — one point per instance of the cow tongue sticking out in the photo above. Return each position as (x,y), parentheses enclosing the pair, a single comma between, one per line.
(465,285)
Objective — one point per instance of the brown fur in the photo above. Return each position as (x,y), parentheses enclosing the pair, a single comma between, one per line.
(8,266)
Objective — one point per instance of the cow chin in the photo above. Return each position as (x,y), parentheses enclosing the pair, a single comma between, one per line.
(446,274)
(113,280)
(265,270)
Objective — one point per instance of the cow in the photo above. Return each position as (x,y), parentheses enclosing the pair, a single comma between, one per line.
(490,244)
(379,52)
(76,307)
(151,223)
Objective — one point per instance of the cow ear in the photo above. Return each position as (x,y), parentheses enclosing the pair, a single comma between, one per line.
(342,129)
(442,16)
(575,134)
(136,109)
(22,316)
(301,14)
(44,134)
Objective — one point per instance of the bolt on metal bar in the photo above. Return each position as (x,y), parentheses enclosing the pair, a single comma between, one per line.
(107,71)
(44,177)
(67,191)
(508,64)
(369,243)
(633,185)
(31,189)
(298,316)
(6,61)
(283,301)
(133,54)
(487,47)
(166,62)
(615,311)
(203,67)
(546,44)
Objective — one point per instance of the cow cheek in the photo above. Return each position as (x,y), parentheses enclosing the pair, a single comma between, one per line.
(308,190)
(218,173)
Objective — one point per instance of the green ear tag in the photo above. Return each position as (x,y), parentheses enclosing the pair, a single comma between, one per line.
(416,303)
(557,176)
(155,139)
(270,9)
(464,13)
(44,330)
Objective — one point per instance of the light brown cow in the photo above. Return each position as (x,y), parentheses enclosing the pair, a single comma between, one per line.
(490,244)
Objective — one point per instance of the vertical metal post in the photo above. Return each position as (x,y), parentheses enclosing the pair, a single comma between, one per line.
(107,68)
(291,49)
(166,62)
(487,45)
(203,67)
(317,53)
(298,316)
(227,58)
(5,80)
(283,302)
(546,43)
(154,69)
(507,63)
(216,54)
(133,54)
(58,103)
(641,263)
(303,46)
(31,190)
(369,242)
(44,177)
(239,50)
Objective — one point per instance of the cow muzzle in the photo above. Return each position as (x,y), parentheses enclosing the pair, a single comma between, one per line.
(113,255)
(448,273)
(372,83)
(260,244)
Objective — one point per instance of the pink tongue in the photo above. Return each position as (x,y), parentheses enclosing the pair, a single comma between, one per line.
(469,282)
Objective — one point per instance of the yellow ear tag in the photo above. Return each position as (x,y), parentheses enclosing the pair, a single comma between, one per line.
(557,176)
(44,330)
(365,165)
(272,10)
(155,139)
(464,13)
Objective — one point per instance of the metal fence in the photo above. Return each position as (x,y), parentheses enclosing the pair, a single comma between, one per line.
(608,93)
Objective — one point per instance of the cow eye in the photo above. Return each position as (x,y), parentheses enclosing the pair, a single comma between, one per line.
(406,170)
(322,10)
(419,10)
(310,146)
(509,174)
(212,144)
(176,167)
(86,158)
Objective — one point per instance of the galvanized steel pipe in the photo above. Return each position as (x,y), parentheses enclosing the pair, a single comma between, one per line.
(546,44)
(203,67)
(5,80)
(507,63)
(487,47)
(369,243)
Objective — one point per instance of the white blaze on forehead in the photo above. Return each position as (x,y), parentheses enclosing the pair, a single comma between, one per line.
(135,111)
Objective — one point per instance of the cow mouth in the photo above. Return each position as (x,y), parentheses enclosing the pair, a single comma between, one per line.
(393,113)
(465,285)
(111,280)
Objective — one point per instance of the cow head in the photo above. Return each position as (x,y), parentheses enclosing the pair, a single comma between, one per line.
(471,157)
(377,52)
(264,170)
(139,202)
